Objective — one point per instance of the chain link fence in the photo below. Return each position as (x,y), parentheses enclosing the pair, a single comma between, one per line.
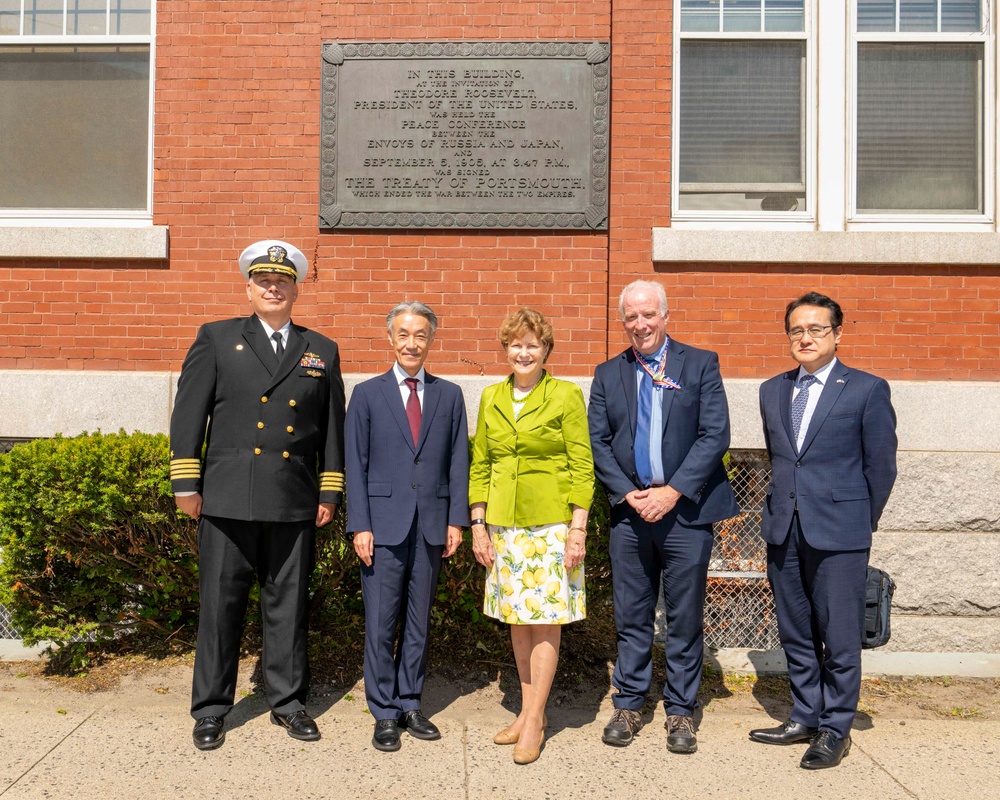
(739,608)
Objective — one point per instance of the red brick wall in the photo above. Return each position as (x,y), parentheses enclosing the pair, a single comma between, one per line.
(237,159)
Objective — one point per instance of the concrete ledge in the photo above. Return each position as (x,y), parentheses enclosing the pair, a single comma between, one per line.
(40,403)
(874,663)
(103,242)
(824,247)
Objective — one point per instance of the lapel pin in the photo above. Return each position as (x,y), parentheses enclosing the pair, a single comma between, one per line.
(840,380)
(239,347)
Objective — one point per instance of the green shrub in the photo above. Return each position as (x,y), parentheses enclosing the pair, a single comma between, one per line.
(92,546)
(94,551)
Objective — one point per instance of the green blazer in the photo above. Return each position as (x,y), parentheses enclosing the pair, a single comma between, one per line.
(532,470)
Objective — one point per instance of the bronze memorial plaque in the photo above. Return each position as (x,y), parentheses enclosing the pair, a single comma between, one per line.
(465,135)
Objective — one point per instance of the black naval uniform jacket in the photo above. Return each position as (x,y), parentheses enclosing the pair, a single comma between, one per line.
(274,432)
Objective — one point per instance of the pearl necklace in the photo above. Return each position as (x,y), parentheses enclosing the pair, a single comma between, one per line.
(531,391)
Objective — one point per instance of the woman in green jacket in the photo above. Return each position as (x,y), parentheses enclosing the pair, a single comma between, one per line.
(531,483)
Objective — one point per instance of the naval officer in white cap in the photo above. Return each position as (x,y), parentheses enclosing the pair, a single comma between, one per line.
(264,398)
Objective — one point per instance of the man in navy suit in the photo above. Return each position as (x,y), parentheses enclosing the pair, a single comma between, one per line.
(408,473)
(659,426)
(830,433)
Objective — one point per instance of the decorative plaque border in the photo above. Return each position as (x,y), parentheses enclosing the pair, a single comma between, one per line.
(335,212)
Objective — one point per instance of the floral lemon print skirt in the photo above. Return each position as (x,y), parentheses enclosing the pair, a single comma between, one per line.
(528,583)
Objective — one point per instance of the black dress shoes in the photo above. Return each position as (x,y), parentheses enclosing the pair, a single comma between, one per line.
(208,733)
(386,736)
(825,751)
(416,724)
(786,733)
(298,724)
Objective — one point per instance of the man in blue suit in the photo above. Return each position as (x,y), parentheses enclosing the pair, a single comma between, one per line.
(659,426)
(830,433)
(408,476)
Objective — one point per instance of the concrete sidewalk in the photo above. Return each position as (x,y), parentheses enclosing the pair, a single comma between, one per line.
(134,742)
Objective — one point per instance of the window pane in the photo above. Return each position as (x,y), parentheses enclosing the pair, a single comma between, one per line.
(80,137)
(741,15)
(87,17)
(876,15)
(919,132)
(10,17)
(917,15)
(130,17)
(961,15)
(43,17)
(784,15)
(700,15)
(741,129)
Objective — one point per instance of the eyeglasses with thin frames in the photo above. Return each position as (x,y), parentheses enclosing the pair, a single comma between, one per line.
(814,331)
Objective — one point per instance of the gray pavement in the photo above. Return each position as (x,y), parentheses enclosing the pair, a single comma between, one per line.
(134,741)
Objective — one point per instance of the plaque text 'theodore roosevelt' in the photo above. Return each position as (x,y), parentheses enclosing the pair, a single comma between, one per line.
(465,134)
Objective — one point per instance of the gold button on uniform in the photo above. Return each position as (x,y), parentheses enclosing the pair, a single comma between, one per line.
(291,403)
(260,424)
(263,399)
(256,451)
(290,429)
(285,454)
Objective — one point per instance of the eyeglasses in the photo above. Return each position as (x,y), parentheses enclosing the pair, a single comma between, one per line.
(814,331)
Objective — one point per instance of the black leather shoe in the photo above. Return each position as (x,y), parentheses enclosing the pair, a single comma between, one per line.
(825,751)
(416,724)
(208,733)
(786,733)
(298,724)
(386,736)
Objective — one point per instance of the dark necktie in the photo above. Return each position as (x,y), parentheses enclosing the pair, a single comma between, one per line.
(413,409)
(279,345)
(642,462)
(799,405)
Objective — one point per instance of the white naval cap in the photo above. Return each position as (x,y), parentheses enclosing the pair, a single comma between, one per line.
(273,255)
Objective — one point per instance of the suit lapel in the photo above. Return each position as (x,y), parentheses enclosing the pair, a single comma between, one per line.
(672,368)
(253,335)
(432,395)
(836,380)
(503,404)
(297,344)
(534,401)
(785,404)
(393,398)
(627,371)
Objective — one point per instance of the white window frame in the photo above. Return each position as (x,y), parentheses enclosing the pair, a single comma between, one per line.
(938,221)
(831,109)
(91,217)
(788,220)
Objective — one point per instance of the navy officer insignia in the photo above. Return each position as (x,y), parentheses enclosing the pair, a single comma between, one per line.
(277,254)
(311,360)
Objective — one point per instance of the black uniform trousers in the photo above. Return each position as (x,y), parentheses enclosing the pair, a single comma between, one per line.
(233,553)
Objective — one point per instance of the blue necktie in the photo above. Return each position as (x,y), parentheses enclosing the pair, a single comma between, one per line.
(642,465)
(799,405)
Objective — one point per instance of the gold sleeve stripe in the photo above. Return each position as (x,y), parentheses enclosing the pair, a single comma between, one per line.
(185,468)
(331,481)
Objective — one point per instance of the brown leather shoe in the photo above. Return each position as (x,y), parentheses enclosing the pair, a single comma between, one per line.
(622,728)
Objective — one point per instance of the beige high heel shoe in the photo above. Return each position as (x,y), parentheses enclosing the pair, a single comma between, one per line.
(507,737)
(522,755)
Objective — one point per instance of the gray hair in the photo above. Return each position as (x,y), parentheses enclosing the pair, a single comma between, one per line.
(643,286)
(412,307)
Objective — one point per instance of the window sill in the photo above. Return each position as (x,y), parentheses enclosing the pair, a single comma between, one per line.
(825,247)
(99,242)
